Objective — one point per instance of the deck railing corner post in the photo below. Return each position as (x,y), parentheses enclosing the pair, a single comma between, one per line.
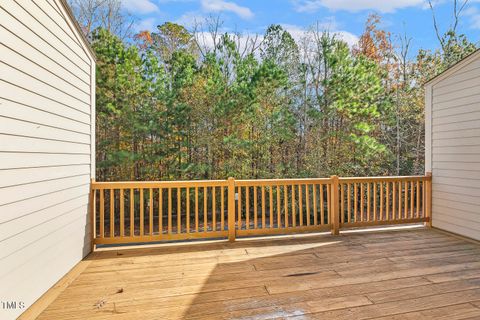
(428,212)
(92,215)
(231,209)
(334,205)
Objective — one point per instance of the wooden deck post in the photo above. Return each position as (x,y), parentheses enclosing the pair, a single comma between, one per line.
(92,216)
(335,216)
(428,195)
(231,209)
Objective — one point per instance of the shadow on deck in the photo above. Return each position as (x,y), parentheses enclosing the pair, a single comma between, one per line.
(406,273)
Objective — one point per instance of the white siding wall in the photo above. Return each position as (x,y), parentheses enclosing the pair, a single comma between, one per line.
(46,147)
(455,148)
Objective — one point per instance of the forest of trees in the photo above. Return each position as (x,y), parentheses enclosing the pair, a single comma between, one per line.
(174,103)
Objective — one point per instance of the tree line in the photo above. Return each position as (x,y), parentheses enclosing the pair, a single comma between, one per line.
(174,103)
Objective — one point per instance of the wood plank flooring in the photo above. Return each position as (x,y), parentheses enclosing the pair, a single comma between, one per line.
(402,274)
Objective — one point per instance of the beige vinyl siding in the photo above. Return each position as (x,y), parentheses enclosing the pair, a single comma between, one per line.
(21,47)
(455,149)
(46,148)
(15,160)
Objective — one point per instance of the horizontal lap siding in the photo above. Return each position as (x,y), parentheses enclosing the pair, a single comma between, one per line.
(456,151)
(45,148)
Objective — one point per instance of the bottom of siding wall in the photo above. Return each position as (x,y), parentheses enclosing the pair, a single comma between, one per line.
(439,223)
(62,251)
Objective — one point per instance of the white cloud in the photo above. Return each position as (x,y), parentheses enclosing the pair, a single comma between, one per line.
(348,37)
(140,6)
(146,25)
(190,19)
(355,5)
(226,6)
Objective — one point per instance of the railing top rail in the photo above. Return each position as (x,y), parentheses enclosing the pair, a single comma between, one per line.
(96,185)
(383,179)
(274,182)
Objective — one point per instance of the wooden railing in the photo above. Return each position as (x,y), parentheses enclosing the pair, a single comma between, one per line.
(383,200)
(128,212)
(125,212)
(282,206)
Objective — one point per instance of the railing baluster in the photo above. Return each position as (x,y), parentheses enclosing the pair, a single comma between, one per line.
(381,201)
(151,212)
(187,216)
(398,200)
(411,198)
(263,207)
(342,203)
(179,210)
(374,201)
(368,201)
(355,202)
(255,208)
(205,210)
(294,222)
(132,212)
(112,213)
(418,199)
(394,202)
(315,213)
(285,204)
(270,211)
(387,207)
(102,213)
(300,204)
(398,213)
(322,205)
(279,217)
(169,210)
(239,210)
(307,203)
(214,209)
(362,202)
(247,207)
(349,202)
(405,205)
(329,203)
(160,211)
(122,214)
(400,187)
(196,209)
(142,218)
(222,205)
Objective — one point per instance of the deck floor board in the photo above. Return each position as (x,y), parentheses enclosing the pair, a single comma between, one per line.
(394,274)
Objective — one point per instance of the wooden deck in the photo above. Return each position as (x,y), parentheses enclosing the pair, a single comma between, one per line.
(402,274)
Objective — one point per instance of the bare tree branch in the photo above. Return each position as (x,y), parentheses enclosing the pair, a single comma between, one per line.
(107,14)
(435,25)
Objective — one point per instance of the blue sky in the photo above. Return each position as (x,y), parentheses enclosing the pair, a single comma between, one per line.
(344,16)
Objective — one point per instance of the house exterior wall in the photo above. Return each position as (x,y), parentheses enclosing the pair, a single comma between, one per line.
(47,110)
(453,147)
